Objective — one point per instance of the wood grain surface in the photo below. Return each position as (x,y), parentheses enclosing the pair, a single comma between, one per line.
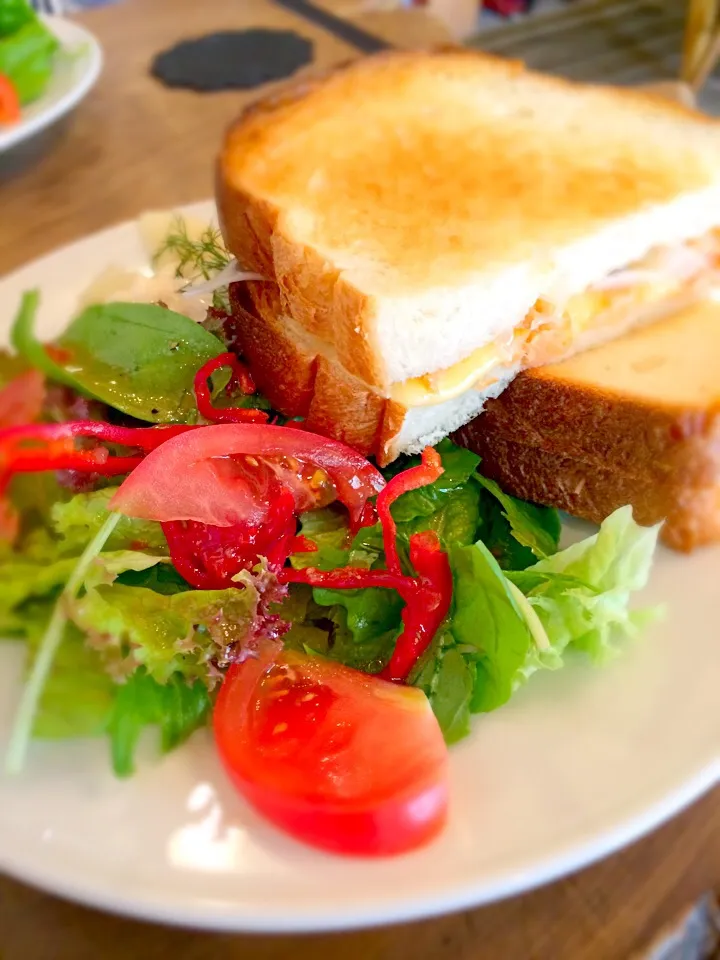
(135,145)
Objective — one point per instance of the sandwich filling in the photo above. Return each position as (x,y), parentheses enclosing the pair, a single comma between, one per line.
(550,332)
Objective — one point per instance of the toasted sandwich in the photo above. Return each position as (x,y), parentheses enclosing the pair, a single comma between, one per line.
(431,225)
(633,421)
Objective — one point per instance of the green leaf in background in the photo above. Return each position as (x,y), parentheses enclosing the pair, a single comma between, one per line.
(13,15)
(177,707)
(139,358)
(77,521)
(165,633)
(27,57)
(487,620)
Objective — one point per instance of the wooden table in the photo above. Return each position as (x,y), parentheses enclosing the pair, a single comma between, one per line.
(135,145)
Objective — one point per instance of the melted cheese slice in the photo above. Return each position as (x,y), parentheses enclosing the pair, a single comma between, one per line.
(542,338)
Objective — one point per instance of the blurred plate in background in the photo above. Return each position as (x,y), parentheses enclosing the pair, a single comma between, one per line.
(78,67)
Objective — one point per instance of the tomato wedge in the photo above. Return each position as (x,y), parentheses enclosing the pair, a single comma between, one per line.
(193,477)
(341,760)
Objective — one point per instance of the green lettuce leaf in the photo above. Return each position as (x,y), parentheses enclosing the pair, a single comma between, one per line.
(78,696)
(27,57)
(582,594)
(165,633)
(177,707)
(13,14)
(488,624)
(78,520)
(139,358)
(366,624)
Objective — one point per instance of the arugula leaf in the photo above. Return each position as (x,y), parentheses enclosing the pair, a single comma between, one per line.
(488,621)
(452,694)
(459,466)
(139,358)
(26,58)
(162,578)
(79,519)
(165,633)
(366,625)
(177,707)
(536,529)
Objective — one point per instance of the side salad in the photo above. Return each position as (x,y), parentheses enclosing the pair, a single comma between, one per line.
(27,56)
(174,554)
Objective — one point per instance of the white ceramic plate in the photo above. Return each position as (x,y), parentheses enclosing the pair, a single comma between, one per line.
(581,762)
(78,67)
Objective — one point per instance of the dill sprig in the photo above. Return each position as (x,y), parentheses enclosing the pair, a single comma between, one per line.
(197,259)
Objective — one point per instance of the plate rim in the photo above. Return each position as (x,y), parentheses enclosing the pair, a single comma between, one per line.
(67,32)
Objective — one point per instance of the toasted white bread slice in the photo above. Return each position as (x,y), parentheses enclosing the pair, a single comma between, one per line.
(415,206)
(634,421)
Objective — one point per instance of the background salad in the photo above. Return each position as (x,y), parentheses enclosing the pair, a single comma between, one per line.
(27,56)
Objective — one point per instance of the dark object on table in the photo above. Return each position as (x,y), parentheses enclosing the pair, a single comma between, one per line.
(233,59)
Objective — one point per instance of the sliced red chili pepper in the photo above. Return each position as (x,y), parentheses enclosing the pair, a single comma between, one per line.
(412,479)
(423,614)
(427,595)
(30,449)
(9,101)
(240,379)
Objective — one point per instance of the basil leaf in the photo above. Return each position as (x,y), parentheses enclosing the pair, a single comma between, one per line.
(139,358)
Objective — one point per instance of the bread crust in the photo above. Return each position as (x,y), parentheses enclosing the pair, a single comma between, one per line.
(317,292)
(588,451)
(299,382)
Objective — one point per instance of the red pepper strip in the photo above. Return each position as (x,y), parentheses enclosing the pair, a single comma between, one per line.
(422,615)
(52,447)
(240,379)
(427,596)
(427,472)
(9,101)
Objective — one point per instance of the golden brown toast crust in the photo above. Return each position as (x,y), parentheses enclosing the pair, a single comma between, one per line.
(588,451)
(254,165)
(300,383)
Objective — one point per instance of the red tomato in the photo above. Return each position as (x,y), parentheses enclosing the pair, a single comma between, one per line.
(209,557)
(196,477)
(337,758)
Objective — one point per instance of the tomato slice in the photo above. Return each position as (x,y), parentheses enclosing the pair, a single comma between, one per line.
(339,759)
(193,477)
